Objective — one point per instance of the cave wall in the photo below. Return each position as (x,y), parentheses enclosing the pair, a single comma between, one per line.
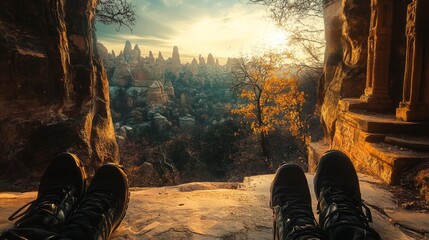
(53,87)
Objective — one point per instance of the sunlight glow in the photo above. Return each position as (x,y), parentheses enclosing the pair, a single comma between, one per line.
(232,31)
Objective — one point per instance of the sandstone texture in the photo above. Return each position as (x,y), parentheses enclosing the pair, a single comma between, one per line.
(53,88)
(230,211)
(374,95)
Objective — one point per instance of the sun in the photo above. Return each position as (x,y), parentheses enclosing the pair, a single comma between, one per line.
(276,38)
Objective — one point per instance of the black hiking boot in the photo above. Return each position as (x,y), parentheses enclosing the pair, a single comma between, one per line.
(290,200)
(61,187)
(342,213)
(102,208)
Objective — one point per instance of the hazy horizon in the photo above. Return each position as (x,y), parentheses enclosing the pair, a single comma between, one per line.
(224,28)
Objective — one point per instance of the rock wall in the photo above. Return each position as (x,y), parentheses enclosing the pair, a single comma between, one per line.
(53,87)
(346,22)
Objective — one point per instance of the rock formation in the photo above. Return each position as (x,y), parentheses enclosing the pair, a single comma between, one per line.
(53,88)
(122,75)
(175,60)
(194,66)
(160,58)
(126,53)
(142,77)
(156,94)
(151,58)
(201,61)
(169,90)
(210,60)
(374,95)
(135,55)
(187,122)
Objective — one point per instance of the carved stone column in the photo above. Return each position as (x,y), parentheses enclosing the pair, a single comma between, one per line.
(415,98)
(377,81)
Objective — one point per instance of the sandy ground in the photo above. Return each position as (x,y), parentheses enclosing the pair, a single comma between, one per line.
(229,211)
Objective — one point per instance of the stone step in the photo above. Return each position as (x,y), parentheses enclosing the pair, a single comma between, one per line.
(371,122)
(416,143)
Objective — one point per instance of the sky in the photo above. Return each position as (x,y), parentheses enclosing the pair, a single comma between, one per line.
(225,28)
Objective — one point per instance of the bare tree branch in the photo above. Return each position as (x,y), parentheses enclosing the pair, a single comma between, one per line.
(118,12)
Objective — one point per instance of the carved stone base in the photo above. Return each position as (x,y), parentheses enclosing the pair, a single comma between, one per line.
(406,114)
(362,137)
(359,103)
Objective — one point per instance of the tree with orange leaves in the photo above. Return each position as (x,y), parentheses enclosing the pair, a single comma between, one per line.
(270,99)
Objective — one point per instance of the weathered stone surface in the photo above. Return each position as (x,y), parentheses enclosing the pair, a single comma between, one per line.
(53,88)
(369,152)
(228,211)
(381,48)
(142,77)
(122,75)
(156,94)
(346,22)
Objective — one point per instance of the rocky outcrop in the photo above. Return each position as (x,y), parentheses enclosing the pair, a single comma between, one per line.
(122,75)
(53,87)
(201,61)
(151,58)
(372,73)
(126,53)
(169,90)
(156,95)
(160,58)
(346,22)
(175,60)
(187,122)
(210,60)
(142,77)
(194,66)
(135,55)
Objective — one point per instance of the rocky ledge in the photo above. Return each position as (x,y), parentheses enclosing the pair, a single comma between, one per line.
(230,211)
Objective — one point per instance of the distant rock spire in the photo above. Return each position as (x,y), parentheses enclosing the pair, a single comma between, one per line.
(194,66)
(160,57)
(127,48)
(151,57)
(175,60)
(210,60)
(201,60)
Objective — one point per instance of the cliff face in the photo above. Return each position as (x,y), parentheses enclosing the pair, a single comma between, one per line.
(346,22)
(53,87)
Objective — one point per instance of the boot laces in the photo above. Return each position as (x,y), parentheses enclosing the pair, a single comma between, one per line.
(95,214)
(349,209)
(297,218)
(55,199)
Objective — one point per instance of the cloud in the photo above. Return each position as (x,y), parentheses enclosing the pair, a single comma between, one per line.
(224,28)
(172,3)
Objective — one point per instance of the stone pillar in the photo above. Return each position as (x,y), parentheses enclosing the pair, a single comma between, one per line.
(379,42)
(415,97)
